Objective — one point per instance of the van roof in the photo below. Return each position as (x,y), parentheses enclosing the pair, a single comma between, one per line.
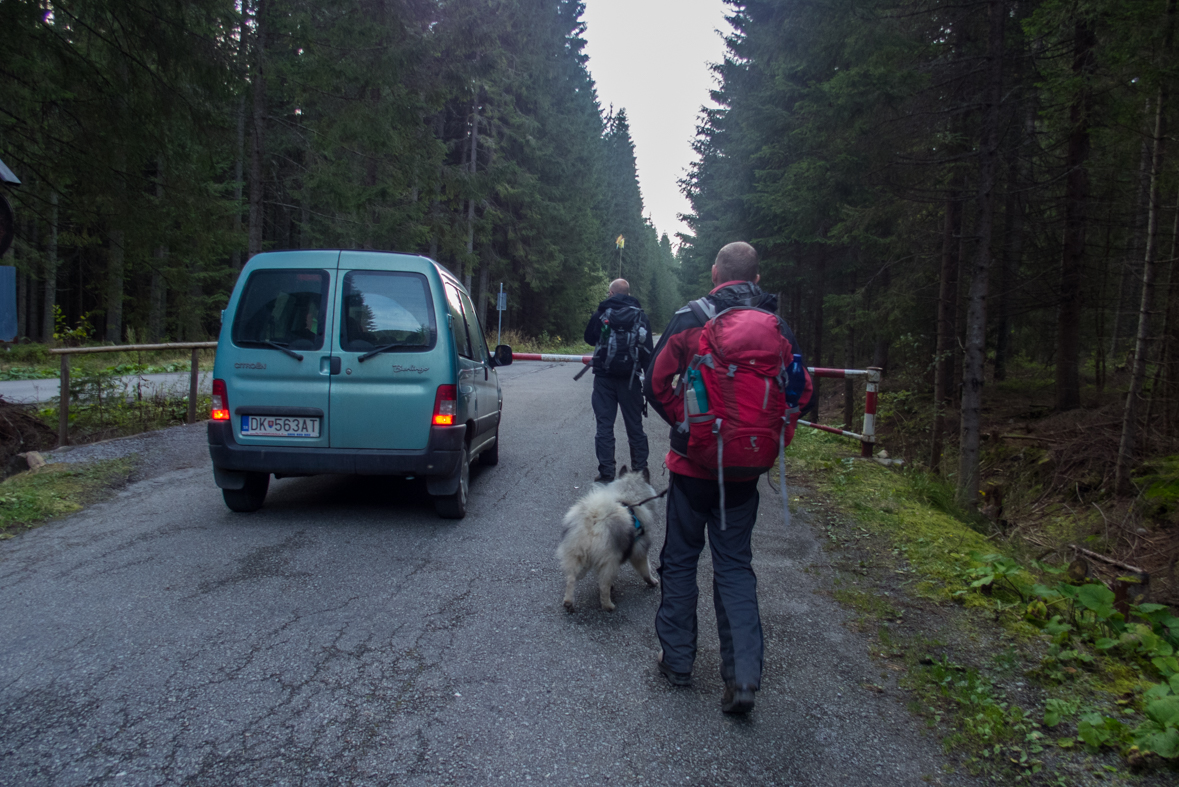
(317,258)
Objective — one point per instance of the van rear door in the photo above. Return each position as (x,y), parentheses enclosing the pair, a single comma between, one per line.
(279,376)
(388,342)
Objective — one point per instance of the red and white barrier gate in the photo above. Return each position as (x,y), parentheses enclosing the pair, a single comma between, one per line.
(868,437)
(872,374)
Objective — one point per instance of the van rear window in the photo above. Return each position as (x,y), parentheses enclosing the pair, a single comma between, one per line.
(388,310)
(283,307)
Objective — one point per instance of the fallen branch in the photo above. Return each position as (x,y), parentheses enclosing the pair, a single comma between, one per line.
(1109,560)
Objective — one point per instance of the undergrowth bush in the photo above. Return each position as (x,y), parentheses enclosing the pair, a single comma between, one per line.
(116,401)
(542,344)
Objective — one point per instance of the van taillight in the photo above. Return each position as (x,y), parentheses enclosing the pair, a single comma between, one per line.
(220,401)
(445,405)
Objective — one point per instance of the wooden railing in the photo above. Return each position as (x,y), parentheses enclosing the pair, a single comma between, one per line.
(63,415)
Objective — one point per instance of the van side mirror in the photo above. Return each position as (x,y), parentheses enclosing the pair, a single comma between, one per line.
(502,356)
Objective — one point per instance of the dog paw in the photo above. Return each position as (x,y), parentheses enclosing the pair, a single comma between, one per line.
(569,607)
(652,582)
(610,608)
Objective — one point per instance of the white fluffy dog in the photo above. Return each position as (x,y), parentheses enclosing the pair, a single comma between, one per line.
(606,528)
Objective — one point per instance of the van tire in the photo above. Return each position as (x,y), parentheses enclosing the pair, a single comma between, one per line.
(490,456)
(251,496)
(454,506)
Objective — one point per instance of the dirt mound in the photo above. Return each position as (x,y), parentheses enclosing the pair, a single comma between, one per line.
(21,430)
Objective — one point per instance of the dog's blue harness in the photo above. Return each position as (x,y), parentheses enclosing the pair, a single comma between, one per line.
(635,535)
(638,531)
(638,525)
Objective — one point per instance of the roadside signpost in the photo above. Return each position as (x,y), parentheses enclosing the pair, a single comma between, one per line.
(501,306)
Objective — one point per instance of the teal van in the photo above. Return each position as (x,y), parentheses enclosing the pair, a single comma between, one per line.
(359,362)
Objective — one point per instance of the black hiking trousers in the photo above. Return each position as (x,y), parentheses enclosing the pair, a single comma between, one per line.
(693,513)
(612,394)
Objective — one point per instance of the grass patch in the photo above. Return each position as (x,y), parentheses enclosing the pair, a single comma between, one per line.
(914,510)
(28,499)
(33,362)
(557,345)
(1027,676)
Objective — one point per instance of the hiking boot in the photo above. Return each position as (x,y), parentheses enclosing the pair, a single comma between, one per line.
(679,679)
(737,699)
(603,479)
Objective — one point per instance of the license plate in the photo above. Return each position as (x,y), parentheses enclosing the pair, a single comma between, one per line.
(279,426)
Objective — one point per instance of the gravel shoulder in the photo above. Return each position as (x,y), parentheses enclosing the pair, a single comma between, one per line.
(157,453)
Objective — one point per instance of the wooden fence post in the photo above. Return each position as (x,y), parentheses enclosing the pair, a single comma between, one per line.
(192,385)
(63,406)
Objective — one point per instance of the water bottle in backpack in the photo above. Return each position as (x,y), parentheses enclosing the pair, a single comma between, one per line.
(795,381)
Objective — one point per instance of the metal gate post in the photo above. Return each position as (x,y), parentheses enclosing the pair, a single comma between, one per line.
(874,375)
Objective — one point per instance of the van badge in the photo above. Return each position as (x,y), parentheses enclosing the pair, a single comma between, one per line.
(418,369)
(249,366)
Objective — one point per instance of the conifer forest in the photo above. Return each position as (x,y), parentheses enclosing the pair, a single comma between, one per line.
(161,144)
(953,191)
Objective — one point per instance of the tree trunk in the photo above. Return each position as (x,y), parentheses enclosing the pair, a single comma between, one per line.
(115,273)
(1068,326)
(817,335)
(50,270)
(1128,278)
(1013,219)
(849,383)
(849,354)
(258,127)
(238,167)
(1169,354)
(973,367)
(947,321)
(481,296)
(473,162)
(157,297)
(1128,446)
(194,330)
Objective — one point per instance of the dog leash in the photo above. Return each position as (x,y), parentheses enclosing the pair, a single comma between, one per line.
(648,500)
(639,529)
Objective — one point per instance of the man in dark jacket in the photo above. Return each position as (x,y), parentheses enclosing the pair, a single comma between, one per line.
(619,356)
(693,505)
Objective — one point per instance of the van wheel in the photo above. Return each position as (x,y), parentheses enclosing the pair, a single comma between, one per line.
(454,506)
(490,456)
(249,497)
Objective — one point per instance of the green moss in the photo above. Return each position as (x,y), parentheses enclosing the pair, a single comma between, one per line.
(913,510)
(911,523)
(31,498)
(865,603)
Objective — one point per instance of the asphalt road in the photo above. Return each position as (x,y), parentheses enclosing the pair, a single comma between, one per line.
(345,635)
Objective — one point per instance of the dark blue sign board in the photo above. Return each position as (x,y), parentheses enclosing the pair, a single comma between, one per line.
(7,303)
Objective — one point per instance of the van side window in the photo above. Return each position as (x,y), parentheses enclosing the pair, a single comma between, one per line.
(476,330)
(386,309)
(462,341)
(283,307)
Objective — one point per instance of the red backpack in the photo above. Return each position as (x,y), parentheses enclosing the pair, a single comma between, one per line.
(735,409)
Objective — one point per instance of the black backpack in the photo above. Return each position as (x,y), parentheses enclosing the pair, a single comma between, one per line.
(617,353)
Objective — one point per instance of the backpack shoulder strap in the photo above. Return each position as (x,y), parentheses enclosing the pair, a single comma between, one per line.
(703,309)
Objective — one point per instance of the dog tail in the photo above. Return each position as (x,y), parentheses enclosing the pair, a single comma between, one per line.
(602,525)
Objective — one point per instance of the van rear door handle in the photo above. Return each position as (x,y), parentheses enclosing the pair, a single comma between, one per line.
(329,363)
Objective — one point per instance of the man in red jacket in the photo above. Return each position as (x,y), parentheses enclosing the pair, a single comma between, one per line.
(693,505)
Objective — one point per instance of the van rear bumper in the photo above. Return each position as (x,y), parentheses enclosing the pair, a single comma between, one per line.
(439,458)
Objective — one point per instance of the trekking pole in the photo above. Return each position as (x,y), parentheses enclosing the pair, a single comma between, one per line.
(581,374)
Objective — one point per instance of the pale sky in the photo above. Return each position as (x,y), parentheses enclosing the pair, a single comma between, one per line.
(651,57)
